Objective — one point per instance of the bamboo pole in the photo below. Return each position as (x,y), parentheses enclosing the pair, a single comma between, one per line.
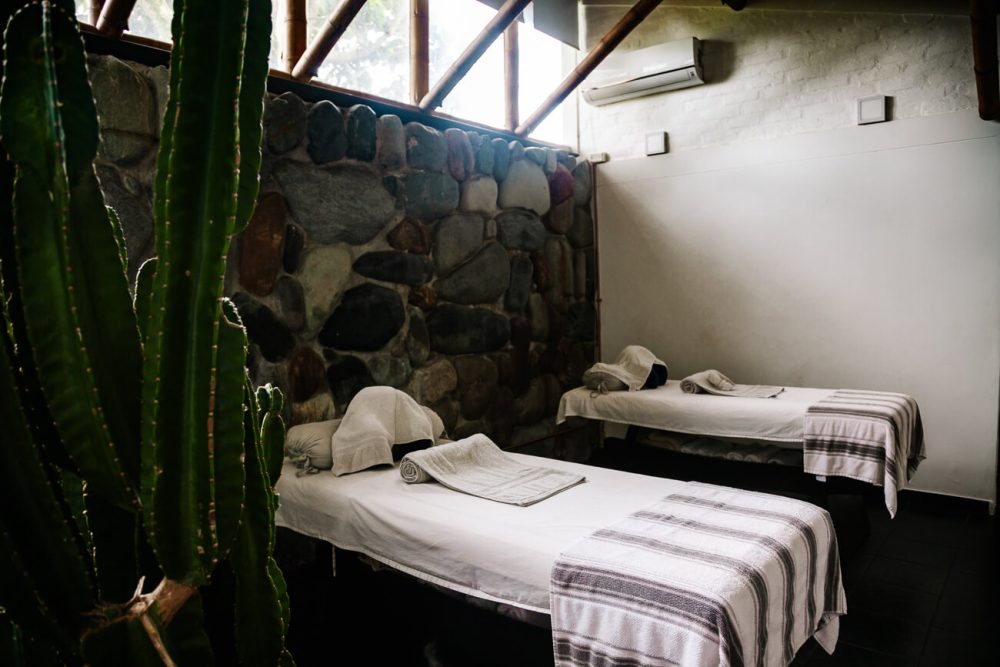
(983,14)
(613,38)
(419,49)
(323,43)
(295,32)
(113,20)
(511,80)
(95,11)
(507,13)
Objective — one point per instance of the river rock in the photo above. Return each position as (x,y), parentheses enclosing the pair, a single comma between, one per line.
(418,342)
(361,133)
(284,123)
(260,245)
(501,158)
(391,153)
(560,184)
(525,187)
(291,302)
(317,409)
(582,184)
(480,280)
(464,330)
(431,383)
(395,267)
(484,158)
(346,375)
(423,297)
(520,230)
(582,321)
(410,236)
(337,203)
(429,195)
(126,109)
(324,274)
(519,288)
(479,193)
(327,137)
(538,315)
(306,373)
(367,317)
(581,233)
(272,337)
(425,148)
(131,201)
(291,251)
(390,370)
(536,155)
(456,238)
(529,407)
(559,219)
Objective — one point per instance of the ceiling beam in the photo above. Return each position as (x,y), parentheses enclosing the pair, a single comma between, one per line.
(511,82)
(420,57)
(334,28)
(95,11)
(507,13)
(983,14)
(296,26)
(605,46)
(113,20)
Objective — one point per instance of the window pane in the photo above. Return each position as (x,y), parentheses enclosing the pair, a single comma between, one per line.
(540,71)
(373,55)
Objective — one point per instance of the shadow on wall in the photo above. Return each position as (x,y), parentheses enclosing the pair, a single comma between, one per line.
(718,60)
(455,266)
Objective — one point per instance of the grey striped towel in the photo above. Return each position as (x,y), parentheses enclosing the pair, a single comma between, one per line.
(707,576)
(873,436)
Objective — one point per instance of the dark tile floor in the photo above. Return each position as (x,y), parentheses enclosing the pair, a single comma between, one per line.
(921,590)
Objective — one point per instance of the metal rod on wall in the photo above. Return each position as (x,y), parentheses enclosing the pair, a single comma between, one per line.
(332,31)
(507,13)
(419,49)
(511,59)
(613,38)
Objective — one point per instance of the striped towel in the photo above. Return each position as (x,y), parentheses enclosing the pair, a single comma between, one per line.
(872,436)
(706,576)
(475,465)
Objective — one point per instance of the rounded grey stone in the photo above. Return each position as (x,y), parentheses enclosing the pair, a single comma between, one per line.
(425,148)
(480,280)
(582,184)
(525,187)
(391,153)
(418,342)
(126,109)
(429,195)
(263,328)
(361,133)
(464,330)
(284,122)
(327,138)
(519,289)
(367,318)
(484,158)
(456,238)
(501,158)
(395,267)
(291,251)
(336,203)
(521,230)
(536,155)
(581,232)
(291,302)
(390,370)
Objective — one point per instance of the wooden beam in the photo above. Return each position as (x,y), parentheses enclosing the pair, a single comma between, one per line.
(420,58)
(113,20)
(983,14)
(507,13)
(323,43)
(511,58)
(295,32)
(613,38)
(95,11)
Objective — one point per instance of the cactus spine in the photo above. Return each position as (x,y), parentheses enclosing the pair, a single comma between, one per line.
(131,423)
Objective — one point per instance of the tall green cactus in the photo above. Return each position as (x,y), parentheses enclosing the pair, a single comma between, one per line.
(129,424)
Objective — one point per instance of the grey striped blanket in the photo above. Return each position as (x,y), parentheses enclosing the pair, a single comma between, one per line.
(707,576)
(872,436)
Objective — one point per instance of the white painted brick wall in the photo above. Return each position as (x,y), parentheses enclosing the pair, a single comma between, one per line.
(772,73)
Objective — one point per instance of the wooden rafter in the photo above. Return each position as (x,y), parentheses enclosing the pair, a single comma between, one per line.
(507,13)
(613,38)
(511,58)
(95,11)
(419,49)
(983,14)
(295,32)
(113,20)
(334,28)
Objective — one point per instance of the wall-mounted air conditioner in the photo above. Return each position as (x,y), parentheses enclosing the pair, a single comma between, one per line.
(646,71)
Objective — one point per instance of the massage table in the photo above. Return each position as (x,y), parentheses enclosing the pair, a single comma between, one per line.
(506,554)
(873,437)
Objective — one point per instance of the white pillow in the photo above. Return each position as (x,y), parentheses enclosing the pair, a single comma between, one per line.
(308,446)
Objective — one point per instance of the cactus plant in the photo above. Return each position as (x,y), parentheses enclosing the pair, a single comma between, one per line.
(136,456)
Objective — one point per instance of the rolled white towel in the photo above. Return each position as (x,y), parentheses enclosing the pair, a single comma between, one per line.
(412,473)
(715,383)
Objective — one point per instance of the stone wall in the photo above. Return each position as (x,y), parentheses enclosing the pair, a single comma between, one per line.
(779,72)
(455,266)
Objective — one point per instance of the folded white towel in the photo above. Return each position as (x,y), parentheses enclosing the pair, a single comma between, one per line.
(715,383)
(475,465)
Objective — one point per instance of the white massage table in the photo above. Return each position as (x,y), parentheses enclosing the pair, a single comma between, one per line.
(489,550)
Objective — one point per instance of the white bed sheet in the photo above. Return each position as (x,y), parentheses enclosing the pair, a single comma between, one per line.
(667,408)
(471,545)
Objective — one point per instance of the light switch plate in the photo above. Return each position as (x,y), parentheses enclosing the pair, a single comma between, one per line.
(656,143)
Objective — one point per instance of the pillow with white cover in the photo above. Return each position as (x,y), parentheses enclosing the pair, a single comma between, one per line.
(308,446)
(378,421)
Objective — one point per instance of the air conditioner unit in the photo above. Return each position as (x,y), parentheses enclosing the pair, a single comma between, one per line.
(655,69)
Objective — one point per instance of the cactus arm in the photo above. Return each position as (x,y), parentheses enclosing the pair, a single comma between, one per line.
(143,295)
(261,605)
(57,307)
(30,514)
(272,433)
(228,456)
(252,92)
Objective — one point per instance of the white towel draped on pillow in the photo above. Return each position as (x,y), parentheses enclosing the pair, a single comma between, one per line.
(376,419)
(631,370)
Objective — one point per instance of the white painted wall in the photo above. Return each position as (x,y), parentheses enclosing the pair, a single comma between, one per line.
(771,73)
(861,257)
